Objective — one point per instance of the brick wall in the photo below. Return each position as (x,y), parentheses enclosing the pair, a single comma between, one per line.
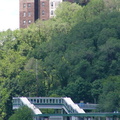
(26,13)
(44,9)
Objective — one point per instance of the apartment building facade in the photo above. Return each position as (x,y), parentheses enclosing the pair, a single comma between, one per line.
(31,10)
(26,13)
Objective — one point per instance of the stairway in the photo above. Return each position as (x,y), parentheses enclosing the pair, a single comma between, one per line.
(26,102)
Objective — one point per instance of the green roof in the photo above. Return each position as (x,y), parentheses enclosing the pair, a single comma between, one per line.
(83,115)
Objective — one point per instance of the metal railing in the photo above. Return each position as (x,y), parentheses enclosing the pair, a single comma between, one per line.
(53,101)
(87,106)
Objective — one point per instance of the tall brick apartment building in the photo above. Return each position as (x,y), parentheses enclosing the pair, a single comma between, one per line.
(31,10)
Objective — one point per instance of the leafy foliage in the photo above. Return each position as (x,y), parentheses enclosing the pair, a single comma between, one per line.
(23,113)
(74,54)
(109,99)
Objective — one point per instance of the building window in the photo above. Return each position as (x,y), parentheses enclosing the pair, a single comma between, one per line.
(24,5)
(51,4)
(29,5)
(43,4)
(24,14)
(29,14)
(52,12)
(24,22)
(43,12)
(29,21)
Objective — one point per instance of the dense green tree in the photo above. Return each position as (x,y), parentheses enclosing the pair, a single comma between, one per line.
(67,13)
(112,4)
(23,113)
(93,9)
(110,96)
(79,90)
(8,89)
(68,56)
(29,85)
(96,89)
(5,103)
(76,51)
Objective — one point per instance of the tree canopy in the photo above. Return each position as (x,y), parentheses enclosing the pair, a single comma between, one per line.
(75,54)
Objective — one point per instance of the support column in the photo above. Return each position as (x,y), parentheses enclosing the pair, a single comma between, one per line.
(98,118)
(91,118)
(62,111)
(107,118)
(85,118)
(117,118)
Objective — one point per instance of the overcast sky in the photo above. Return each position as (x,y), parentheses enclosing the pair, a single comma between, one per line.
(9,14)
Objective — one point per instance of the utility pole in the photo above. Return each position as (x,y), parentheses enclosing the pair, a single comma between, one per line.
(37,78)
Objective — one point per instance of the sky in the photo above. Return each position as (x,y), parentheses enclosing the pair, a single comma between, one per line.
(9,14)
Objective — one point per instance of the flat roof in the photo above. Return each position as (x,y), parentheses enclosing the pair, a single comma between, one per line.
(83,115)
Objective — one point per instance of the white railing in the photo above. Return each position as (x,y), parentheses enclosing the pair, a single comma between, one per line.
(66,103)
(74,108)
(26,102)
(17,102)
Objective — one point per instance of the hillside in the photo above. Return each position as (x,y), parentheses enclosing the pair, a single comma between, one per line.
(75,54)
